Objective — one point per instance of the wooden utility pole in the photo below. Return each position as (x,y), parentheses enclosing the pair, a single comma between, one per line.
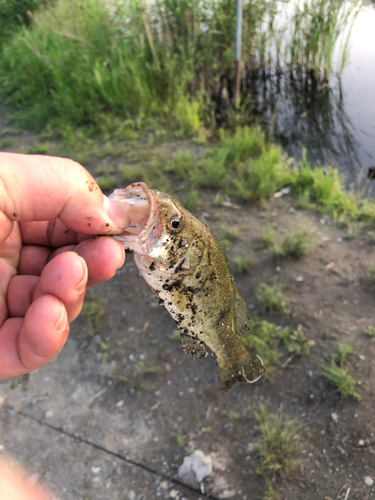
(238,50)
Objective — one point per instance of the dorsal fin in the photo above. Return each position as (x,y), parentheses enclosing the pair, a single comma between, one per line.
(242,318)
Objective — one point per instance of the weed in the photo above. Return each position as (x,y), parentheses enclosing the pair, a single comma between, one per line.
(273,298)
(233,415)
(370,331)
(225,244)
(295,341)
(338,372)
(371,269)
(271,494)
(191,199)
(295,244)
(9,143)
(279,444)
(267,239)
(107,183)
(181,439)
(93,311)
(243,263)
(38,149)
(232,233)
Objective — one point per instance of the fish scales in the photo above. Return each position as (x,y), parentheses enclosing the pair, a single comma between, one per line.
(190,275)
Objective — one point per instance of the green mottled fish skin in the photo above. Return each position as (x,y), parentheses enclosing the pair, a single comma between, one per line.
(190,275)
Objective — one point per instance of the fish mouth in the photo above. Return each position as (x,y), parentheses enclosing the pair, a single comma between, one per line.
(143,209)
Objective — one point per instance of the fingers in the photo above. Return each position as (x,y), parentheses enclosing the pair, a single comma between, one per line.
(28,343)
(65,277)
(103,257)
(14,484)
(39,188)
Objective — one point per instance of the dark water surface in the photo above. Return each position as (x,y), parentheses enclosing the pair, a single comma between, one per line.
(335,122)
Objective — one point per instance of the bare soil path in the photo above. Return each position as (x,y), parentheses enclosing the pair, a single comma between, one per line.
(114,415)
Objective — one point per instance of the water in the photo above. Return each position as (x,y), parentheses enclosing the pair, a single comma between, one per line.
(335,122)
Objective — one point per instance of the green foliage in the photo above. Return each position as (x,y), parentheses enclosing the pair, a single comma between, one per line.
(295,341)
(267,239)
(16,13)
(191,200)
(93,311)
(338,371)
(107,182)
(295,244)
(232,233)
(38,149)
(225,244)
(271,494)
(273,298)
(243,263)
(9,143)
(370,331)
(279,444)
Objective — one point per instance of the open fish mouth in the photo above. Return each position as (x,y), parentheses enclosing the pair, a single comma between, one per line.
(143,208)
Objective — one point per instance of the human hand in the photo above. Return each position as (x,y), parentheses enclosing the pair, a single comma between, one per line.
(14,484)
(50,208)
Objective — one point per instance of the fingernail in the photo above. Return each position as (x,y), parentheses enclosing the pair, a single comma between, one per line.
(116,213)
(81,287)
(62,322)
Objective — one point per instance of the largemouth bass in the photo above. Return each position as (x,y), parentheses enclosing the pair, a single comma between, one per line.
(189,274)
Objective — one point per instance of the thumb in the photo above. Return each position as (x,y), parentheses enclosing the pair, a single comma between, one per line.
(15,485)
(39,188)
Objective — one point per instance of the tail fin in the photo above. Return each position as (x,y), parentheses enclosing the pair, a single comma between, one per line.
(249,370)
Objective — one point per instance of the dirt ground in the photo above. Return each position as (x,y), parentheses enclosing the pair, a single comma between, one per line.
(114,415)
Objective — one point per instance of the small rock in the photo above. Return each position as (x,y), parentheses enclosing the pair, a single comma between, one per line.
(95,470)
(361,442)
(196,467)
(299,278)
(164,485)
(339,240)
(250,448)
(369,481)
(2,447)
(131,357)
(2,399)
(174,494)
(227,494)
(310,374)
(48,414)
(278,269)
(131,495)
(335,417)
(120,403)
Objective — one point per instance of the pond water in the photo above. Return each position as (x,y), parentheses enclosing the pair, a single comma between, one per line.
(335,122)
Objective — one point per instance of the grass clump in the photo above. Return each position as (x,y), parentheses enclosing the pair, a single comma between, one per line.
(273,298)
(295,244)
(295,341)
(370,332)
(267,239)
(338,371)
(93,311)
(279,444)
(107,182)
(38,149)
(225,244)
(232,233)
(191,200)
(243,264)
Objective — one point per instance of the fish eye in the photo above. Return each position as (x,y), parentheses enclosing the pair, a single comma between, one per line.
(175,223)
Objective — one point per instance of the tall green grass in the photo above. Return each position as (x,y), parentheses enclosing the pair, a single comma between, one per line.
(81,62)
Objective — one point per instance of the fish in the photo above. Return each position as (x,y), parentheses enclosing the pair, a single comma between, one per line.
(189,274)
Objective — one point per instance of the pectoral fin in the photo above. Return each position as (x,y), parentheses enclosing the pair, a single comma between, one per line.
(193,348)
